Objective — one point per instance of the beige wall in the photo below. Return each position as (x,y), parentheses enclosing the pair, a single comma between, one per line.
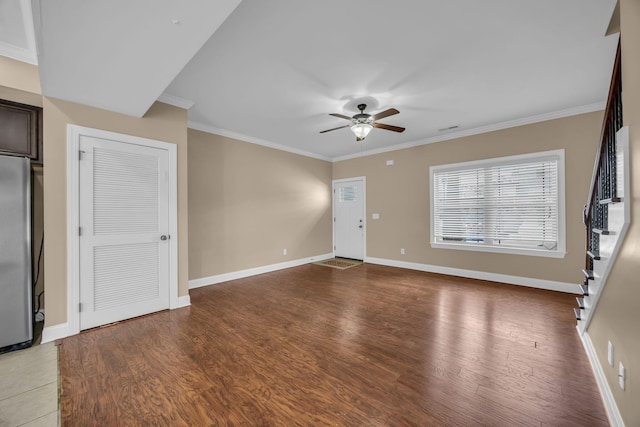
(616,316)
(20,76)
(400,194)
(162,122)
(248,202)
(19,82)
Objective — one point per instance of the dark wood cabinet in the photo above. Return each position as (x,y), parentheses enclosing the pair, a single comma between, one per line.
(21,130)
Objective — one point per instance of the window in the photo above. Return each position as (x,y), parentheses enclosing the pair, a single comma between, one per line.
(510,204)
(347,194)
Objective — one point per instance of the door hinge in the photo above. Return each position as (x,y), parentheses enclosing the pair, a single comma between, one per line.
(334,219)
(334,248)
(80,153)
(80,307)
(79,231)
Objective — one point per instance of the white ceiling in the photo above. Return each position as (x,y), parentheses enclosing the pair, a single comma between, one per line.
(270,71)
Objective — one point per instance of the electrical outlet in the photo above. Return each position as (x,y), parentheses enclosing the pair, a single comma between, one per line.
(610,354)
(622,372)
(401,251)
(284,252)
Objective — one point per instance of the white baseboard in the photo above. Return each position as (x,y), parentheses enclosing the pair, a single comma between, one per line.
(55,332)
(615,419)
(184,301)
(481,275)
(219,278)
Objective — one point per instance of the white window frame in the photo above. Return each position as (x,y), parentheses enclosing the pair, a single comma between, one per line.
(558,252)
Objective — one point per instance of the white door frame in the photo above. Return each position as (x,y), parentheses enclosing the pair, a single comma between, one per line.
(74,133)
(364,211)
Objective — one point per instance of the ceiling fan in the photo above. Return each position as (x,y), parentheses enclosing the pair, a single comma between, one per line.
(362,123)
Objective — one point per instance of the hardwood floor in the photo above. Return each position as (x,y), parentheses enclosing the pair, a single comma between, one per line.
(311,345)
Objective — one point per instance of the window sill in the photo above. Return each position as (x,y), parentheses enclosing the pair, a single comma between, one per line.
(499,250)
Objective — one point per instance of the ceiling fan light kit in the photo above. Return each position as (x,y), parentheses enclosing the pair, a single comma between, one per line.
(362,123)
(361,130)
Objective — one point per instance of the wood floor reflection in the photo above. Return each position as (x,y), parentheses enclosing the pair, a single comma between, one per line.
(367,346)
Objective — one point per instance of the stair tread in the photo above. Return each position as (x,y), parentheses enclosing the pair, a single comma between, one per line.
(577,313)
(594,255)
(611,200)
(584,289)
(600,231)
(580,301)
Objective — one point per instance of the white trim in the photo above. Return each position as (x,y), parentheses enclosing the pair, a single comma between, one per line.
(568,112)
(28,54)
(253,140)
(176,101)
(561,248)
(73,219)
(610,406)
(55,332)
(18,53)
(225,277)
(550,285)
(598,106)
(74,133)
(498,249)
(364,210)
(184,301)
(172,150)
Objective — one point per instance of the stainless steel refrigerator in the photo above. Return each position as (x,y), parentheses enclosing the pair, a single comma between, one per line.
(16,329)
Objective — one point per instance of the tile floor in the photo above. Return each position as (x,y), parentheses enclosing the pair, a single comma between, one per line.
(29,387)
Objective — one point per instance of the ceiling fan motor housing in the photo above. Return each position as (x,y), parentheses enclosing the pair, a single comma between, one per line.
(362,117)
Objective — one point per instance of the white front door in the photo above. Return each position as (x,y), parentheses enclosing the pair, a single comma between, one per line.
(124,230)
(349,218)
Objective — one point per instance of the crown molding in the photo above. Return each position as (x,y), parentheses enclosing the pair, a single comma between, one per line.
(18,53)
(568,112)
(598,106)
(176,101)
(241,137)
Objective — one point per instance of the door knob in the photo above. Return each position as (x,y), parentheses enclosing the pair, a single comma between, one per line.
(163,237)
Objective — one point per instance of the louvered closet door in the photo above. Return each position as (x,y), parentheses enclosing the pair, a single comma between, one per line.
(124,207)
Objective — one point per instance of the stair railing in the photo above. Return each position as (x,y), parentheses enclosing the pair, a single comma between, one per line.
(603,189)
(603,181)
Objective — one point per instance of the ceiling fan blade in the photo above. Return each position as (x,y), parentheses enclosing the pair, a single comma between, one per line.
(385,113)
(339,127)
(342,116)
(388,127)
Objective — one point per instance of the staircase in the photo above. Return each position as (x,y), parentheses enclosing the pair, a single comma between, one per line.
(607,213)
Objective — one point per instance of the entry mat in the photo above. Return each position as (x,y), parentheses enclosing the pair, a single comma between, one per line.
(340,263)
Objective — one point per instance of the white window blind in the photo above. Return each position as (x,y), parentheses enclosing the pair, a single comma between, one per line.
(511,203)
